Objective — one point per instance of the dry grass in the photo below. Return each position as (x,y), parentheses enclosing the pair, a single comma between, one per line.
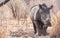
(55,31)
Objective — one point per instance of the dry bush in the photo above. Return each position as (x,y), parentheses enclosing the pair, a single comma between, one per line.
(55,32)
(19,9)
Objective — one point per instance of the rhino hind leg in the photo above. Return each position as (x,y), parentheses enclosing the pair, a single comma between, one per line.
(35,31)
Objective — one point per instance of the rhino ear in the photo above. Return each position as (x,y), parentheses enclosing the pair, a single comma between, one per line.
(40,6)
(50,7)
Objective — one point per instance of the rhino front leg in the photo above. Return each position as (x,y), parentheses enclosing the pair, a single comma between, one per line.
(39,27)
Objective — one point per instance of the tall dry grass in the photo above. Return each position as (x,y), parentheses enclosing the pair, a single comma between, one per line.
(55,31)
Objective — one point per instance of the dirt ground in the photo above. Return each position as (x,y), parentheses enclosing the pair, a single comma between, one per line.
(12,28)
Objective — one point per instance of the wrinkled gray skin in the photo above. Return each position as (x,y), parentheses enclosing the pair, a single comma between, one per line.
(40,16)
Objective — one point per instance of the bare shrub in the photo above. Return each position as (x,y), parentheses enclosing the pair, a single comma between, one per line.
(55,32)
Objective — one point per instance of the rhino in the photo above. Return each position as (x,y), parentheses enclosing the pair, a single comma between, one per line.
(40,16)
